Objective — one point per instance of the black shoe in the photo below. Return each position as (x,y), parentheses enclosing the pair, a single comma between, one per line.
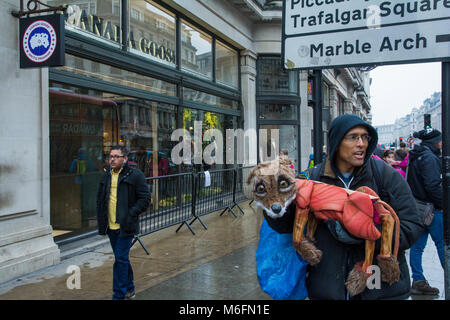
(422,287)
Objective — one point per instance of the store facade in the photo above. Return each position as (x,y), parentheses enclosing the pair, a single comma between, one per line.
(134,86)
(135,71)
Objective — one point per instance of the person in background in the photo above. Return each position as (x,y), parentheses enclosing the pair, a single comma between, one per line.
(424,178)
(388,156)
(122,196)
(81,165)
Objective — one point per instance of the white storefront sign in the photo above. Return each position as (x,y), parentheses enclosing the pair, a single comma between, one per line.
(330,33)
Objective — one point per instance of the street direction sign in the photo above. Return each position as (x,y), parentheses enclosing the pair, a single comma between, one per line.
(331,33)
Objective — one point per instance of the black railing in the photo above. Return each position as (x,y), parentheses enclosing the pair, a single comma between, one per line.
(186,197)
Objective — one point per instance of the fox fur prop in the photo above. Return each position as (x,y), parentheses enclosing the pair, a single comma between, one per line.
(274,188)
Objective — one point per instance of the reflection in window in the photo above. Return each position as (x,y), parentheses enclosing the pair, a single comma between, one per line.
(272,79)
(84,124)
(209,120)
(226,65)
(198,96)
(152,31)
(97,18)
(275,111)
(197,49)
(288,139)
(112,74)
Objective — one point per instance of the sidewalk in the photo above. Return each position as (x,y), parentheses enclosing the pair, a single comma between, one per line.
(171,254)
(218,263)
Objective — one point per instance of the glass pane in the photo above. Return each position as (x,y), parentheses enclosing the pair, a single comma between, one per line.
(94,18)
(152,31)
(288,138)
(198,96)
(272,79)
(210,120)
(196,50)
(226,65)
(145,128)
(274,111)
(83,124)
(93,69)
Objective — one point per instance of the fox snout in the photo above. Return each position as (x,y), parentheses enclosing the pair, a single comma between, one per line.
(276,208)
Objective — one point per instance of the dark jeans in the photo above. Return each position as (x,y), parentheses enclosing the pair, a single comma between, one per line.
(435,229)
(122,271)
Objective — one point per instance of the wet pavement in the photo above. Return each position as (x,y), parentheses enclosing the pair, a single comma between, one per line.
(214,264)
(229,277)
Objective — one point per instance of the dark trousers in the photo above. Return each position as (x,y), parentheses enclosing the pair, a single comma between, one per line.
(122,271)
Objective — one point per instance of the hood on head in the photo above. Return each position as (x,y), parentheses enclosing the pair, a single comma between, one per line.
(428,136)
(339,128)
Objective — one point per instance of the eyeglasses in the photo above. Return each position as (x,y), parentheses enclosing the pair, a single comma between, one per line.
(115,157)
(355,137)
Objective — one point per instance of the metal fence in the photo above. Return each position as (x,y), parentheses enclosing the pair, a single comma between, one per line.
(186,197)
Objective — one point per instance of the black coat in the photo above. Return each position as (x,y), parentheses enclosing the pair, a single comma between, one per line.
(133,198)
(326,280)
(424,174)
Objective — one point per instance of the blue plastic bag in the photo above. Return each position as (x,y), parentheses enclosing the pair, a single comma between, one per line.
(281,270)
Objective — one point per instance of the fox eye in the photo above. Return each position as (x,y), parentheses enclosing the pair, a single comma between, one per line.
(260,188)
(284,184)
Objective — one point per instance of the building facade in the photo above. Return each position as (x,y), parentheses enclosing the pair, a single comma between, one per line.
(404,127)
(134,72)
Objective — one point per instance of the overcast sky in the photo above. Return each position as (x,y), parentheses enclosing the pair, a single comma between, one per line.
(397,89)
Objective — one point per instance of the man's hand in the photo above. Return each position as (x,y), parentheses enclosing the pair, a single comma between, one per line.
(340,234)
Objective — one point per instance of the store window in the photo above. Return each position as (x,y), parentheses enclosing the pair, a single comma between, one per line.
(209,120)
(273,79)
(199,96)
(112,74)
(226,65)
(196,48)
(287,137)
(84,124)
(277,111)
(152,32)
(94,18)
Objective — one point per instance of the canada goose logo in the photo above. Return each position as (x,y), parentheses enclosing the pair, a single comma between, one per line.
(39,41)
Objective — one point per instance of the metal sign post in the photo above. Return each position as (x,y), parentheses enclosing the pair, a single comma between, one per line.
(445,94)
(317,116)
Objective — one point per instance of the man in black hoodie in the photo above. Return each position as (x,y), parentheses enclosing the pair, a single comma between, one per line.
(351,143)
(424,178)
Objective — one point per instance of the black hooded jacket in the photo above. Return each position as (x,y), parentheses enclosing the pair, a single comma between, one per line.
(424,174)
(326,280)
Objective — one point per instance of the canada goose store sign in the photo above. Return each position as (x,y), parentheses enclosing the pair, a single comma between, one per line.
(42,41)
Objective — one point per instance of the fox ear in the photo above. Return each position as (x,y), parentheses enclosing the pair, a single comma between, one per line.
(285,161)
(252,174)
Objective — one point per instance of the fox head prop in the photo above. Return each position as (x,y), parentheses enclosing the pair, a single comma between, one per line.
(273,186)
